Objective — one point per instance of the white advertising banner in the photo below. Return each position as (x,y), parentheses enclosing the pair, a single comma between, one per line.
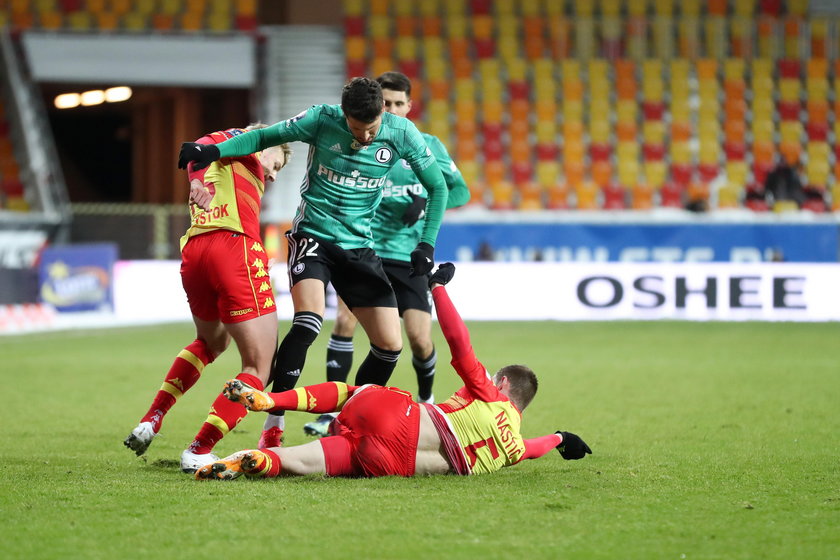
(151,290)
(647,291)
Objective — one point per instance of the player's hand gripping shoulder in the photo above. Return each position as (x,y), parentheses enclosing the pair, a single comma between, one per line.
(443,275)
(414,211)
(201,155)
(422,259)
(572,447)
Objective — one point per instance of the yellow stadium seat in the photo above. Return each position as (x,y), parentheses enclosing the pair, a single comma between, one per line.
(546,132)
(626,110)
(546,110)
(404,8)
(663,7)
(80,21)
(627,151)
(628,173)
(737,172)
(709,153)
(432,47)
(573,110)
(543,69)
(456,27)
(547,172)
(655,173)
(354,7)
(729,196)
(406,48)
(681,152)
(790,131)
(653,132)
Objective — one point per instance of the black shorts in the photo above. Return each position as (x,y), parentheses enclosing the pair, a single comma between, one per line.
(412,292)
(356,274)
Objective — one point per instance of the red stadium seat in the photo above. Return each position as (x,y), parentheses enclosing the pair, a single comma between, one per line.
(521,172)
(410,68)
(653,152)
(789,110)
(354,26)
(770,7)
(485,48)
(492,132)
(518,90)
(735,151)
(761,169)
(682,174)
(789,68)
(493,150)
(708,171)
(653,110)
(600,152)
(671,195)
(615,197)
(480,7)
(547,152)
(356,68)
(817,131)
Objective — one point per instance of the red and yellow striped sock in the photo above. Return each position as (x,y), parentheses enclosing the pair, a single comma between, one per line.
(268,464)
(319,398)
(224,416)
(185,371)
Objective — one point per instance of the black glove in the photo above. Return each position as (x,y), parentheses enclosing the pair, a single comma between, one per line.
(572,447)
(443,274)
(414,211)
(201,155)
(422,260)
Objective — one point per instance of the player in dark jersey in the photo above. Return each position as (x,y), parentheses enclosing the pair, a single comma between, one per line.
(381,431)
(397,227)
(225,276)
(352,148)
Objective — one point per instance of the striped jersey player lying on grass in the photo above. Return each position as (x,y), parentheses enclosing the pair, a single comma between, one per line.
(381,431)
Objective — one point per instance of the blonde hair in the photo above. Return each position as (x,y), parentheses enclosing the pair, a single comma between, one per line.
(287,150)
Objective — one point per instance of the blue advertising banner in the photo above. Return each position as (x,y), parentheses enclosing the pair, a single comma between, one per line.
(816,243)
(78,277)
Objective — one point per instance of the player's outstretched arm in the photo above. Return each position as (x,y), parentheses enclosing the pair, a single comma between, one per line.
(569,445)
(453,327)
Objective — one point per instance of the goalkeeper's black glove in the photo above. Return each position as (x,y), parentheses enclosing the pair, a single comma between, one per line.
(201,155)
(443,274)
(414,211)
(572,447)
(422,260)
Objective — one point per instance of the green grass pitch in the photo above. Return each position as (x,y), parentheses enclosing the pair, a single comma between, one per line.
(710,440)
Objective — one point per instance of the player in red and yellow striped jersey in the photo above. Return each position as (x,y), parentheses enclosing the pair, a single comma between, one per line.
(224,271)
(381,431)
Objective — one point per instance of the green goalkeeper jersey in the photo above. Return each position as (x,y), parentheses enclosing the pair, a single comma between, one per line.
(392,238)
(344,179)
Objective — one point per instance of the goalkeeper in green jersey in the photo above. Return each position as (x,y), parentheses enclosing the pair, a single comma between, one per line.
(353,146)
(397,227)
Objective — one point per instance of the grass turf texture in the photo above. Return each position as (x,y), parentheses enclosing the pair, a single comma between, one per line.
(710,440)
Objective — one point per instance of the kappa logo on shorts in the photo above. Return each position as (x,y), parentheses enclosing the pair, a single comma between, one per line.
(298,268)
(383,155)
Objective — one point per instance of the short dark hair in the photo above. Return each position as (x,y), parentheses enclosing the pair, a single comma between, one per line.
(395,81)
(362,100)
(523,384)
